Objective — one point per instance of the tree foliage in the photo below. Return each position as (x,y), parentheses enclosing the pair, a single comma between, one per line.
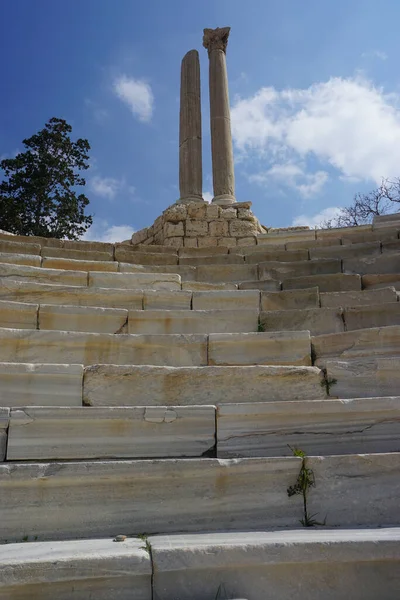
(383,200)
(38,195)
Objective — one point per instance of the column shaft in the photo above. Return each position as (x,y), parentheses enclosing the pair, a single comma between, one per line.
(190,160)
(221,137)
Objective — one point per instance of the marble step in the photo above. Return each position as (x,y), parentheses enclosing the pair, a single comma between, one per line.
(335,282)
(386,263)
(75,254)
(377,342)
(71,264)
(29,346)
(348,251)
(364,377)
(38,433)
(378,281)
(47,293)
(176,350)
(91,279)
(375,315)
(10,247)
(256,254)
(316,320)
(325,427)
(193,321)
(86,499)
(29,260)
(26,384)
(290,299)
(79,569)
(365,297)
(130,385)
(361,564)
(306,268)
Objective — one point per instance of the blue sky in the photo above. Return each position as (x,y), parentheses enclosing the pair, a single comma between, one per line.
(314,91)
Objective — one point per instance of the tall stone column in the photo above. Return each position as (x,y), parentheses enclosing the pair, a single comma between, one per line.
(216,40)
(190,165)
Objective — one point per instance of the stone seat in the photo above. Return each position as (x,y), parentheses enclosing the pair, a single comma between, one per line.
(76,254)
(193,321)
(360,564)
(364,377)
(177,350)
(346,251)
(319,427)
(336,282)
(377,281)
(284,270)
(29,260)
(66,500)
(316,320)
(376,342)
(53,433)
(50,570)
(15,247)
(28,384)
(357,298)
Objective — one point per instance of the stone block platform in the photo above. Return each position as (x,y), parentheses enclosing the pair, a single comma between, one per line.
(151,396)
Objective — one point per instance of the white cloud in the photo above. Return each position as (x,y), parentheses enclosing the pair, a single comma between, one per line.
(375,54)
(102,231)
(106,187)
(347,124)
(295,176)
(316,220)
(137,94)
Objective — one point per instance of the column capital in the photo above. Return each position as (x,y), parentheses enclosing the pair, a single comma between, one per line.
(216,39)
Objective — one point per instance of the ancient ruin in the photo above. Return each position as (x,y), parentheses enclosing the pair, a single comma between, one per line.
(208,410)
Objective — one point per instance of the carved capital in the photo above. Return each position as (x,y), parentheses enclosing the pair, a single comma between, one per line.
(216,39)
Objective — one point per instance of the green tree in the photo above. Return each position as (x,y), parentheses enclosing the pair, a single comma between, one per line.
(38,195)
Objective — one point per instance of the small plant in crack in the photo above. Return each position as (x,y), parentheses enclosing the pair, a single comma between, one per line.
(221,593)
(261,327)
(327,383)
(305,481)
(145,539)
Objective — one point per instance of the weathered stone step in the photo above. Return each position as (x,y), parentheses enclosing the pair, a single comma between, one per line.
(37,433)
(386,263)
(336,299)
(70,264)
(364,377)
(29,346)
(290,299)
(348,251)
(39,275)
(93,279)
(306,268)
(81,569)
(207,286)
(131,281)
(57,500)
(256,254)
(357,426)
(81,318)
(23,384)
(361,564)
(316,320)
(268,285)
(129,385)
(218,259)
(374,281)
(43,293)
(4,424)
(56,243)
(29,260)
(238,299)
(74,254)
(177,350)
(376,315)
(9,247)
(192,321)
(336,282)
(272,348)
(126,254)
(361,343)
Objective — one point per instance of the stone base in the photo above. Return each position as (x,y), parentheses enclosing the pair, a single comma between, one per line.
(224,200)
(190,199)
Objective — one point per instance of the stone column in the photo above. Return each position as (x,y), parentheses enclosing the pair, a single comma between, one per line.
(216,40)
(190,165)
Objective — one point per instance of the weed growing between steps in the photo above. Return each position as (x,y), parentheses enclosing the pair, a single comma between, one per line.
(305,481)
(328,383)
(145,539)
(261,327)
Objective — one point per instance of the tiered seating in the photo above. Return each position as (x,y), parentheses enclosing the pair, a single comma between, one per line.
(159,393)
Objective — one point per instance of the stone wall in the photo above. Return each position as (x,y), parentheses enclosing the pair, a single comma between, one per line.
(200,225)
